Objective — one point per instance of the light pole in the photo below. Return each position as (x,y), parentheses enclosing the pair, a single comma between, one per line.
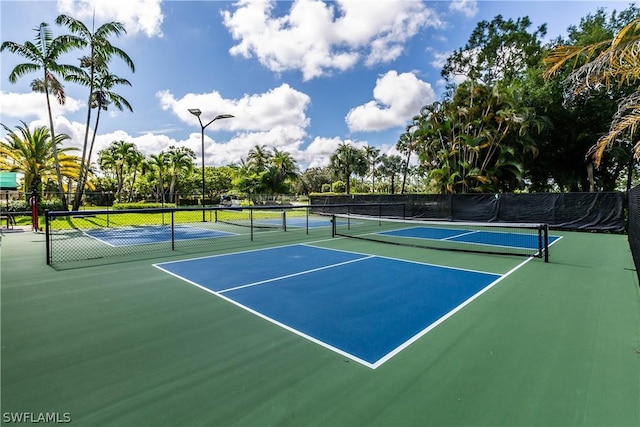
(196,112)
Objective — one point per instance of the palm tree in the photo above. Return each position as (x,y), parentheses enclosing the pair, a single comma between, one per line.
(136,164)
(179,159)
(390,167)
(606,63)
(97,77)
(259,157)
(101,99)
(116,158)
(31,154)
(43,56)
(372,155)
(346,161)
(158,164)
(285,164)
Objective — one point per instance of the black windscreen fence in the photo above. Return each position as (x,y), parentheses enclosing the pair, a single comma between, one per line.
(633,227)
(570,211)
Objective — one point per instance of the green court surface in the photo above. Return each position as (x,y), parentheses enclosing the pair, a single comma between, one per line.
(122,343)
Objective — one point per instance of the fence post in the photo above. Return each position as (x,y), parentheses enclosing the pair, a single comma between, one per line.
(173,233)
(47,236)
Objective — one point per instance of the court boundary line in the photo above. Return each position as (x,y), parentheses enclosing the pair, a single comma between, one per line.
(407,260)
(300,273)
(181,226)
(383,359)
(449,314)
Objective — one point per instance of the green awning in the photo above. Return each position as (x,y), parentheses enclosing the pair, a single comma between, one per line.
(8,181)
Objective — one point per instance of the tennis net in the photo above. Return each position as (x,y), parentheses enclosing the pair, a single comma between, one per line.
(531,240)
(267,219)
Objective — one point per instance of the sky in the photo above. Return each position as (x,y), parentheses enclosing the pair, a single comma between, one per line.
(301,76)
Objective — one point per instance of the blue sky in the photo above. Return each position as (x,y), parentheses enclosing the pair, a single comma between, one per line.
(301,76)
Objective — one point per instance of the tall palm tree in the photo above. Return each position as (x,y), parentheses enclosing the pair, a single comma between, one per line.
(606,63)
(43,56)
(373,156)
(31,154)
(101,99)
(97,76)
(346,161)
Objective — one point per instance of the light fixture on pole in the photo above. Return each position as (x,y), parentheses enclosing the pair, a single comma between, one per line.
(196,112)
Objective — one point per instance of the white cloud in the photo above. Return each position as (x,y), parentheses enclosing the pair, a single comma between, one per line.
(319,38)
(34,105)
(137,16)
(440,59)
(276,118)
(469,8)
(397,98)
(320,150)
(282,106)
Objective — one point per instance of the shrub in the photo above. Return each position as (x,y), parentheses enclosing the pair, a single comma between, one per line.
(142,205)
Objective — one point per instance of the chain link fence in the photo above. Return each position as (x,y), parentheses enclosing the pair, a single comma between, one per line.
(140,233)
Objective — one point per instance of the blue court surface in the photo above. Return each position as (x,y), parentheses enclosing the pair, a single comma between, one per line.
(492,238)
(365,307)
(151,234)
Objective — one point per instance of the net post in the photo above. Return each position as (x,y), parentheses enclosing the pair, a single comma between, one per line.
(215,215)
(333,225)
(307,221)
(251,222)
(546,242)
(284,220)
(47,235)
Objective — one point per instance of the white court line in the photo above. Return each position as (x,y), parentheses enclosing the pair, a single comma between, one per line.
(446,316)
(389,355)
(460,235)
(295,274)
(404,260)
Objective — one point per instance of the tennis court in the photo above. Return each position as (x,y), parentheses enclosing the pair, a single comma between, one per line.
(364,307)
(323,331)
(515,240)
(152,234)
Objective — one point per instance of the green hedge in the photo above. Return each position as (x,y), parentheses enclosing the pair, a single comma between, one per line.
(143,205)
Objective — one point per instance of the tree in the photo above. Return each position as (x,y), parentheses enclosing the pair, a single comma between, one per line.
(43,56)
(117,158)
(478,140)
(346,161)
(31,154)
(408,143)
(372,155)
(314,180)
(610,63)
(94,73)
(390,167)
(101,99)
(179,160)
(158,164)
(219,179)
(259,157)
(496,50)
